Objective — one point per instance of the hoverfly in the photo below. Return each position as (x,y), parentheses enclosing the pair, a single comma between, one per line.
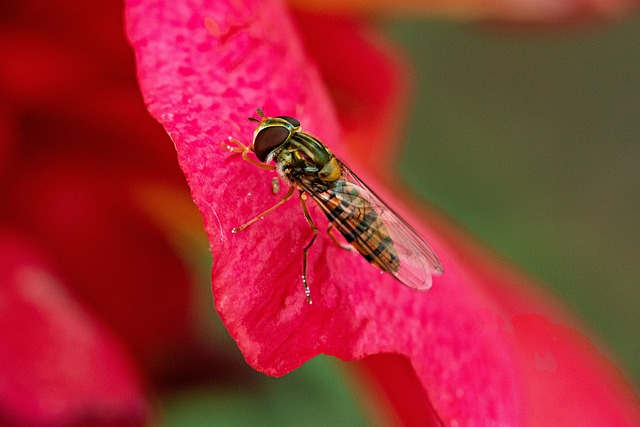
(380,235)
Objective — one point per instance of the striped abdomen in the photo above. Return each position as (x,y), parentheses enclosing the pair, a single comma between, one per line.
(355,218)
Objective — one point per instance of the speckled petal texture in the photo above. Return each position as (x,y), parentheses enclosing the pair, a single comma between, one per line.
(486,348)
(204,66)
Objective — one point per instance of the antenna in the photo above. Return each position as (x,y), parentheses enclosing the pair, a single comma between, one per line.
(260,113)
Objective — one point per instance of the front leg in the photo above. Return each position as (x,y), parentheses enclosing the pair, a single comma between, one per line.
(239,147)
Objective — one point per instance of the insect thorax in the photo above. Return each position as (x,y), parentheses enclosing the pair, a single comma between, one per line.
(302,157)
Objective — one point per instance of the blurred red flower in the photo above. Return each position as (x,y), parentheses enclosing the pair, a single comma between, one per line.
(94,295)
(95,299)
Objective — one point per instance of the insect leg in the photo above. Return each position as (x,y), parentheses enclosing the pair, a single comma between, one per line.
(303,197)
(333,237)
(239,146)
(244,151)
(271,209)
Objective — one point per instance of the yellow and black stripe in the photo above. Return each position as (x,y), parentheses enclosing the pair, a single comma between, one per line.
(359,223)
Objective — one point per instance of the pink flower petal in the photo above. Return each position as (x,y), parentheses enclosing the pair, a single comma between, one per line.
(57,365)
(567,380)
(204,66)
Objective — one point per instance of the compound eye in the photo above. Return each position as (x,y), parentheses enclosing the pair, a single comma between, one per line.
(268,139)
(292,120)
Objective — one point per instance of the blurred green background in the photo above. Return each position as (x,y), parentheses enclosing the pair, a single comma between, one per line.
(530,140)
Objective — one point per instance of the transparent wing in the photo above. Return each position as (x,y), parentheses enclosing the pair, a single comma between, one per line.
(375,230)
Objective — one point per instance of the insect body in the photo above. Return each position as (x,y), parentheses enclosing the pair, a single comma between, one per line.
(366,222)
